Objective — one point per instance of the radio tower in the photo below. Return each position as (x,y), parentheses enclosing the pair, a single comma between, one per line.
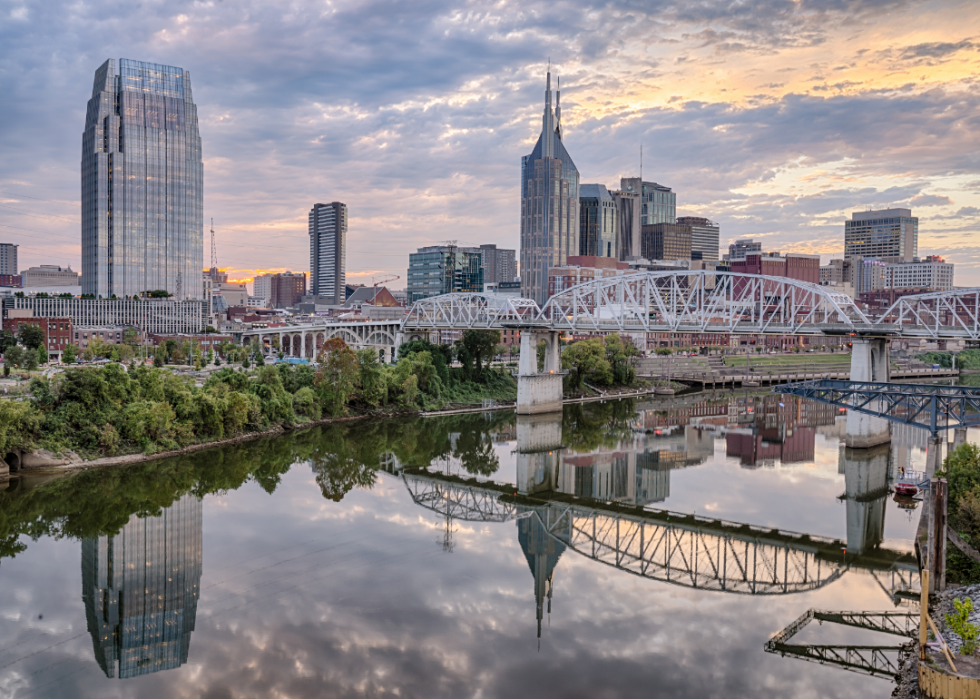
(214,251)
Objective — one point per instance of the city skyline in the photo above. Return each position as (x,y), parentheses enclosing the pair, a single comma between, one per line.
(863,111)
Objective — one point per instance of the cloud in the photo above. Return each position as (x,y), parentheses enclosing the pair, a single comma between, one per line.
(936,49)
(930,200)
(968,211)
(417,115)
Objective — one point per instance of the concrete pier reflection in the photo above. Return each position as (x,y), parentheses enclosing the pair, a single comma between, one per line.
(866,489)
(140,589)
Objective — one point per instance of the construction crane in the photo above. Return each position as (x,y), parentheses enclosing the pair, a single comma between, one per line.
(375,281)
(214,251)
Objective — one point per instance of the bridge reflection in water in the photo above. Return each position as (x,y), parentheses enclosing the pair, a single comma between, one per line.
(596,504)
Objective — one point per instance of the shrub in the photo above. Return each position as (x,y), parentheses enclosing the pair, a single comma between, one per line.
(959,622)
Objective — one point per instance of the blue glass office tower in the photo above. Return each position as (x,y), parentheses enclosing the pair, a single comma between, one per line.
(549,205)
(142,183)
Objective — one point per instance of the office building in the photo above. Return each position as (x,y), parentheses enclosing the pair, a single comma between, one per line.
(740,248)
(287,289)
(549,204)
(629,207)
(870,274)
(658,203)
(444,269)
(665,241)
(149,315)
(933,273)
(598,224)
(705,235)
(8,259)
(142,183)
(836,272)
(804,268)
(141,587)
(499,265)
(49,275)
(891,235)
(579,269)
(14,281)
(328,251)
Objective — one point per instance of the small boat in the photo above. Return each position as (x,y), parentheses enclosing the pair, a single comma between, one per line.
(908,482)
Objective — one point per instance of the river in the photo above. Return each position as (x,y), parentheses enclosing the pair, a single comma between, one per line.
(599,553)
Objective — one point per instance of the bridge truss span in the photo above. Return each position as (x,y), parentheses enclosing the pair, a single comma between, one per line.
(703,301)
(469,310)
(938,314)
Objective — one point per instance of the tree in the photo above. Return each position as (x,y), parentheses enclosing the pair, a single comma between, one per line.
(14,356)
(500,350)
(338,375)
(7,339)
(31,336)
(587,360)
(70,354)
(473,348)
(30,360)
(42,355)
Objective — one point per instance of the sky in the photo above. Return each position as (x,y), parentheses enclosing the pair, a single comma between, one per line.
(775,118)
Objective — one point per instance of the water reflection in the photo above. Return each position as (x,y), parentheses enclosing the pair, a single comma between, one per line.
(140,589)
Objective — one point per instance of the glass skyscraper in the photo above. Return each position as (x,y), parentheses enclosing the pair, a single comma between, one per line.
(444,269)
(549,205)
(599,222)
(142,183)
(141,588)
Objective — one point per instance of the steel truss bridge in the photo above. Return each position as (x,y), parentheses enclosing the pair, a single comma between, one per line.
(875,660)
(921,405)
(704,302)
(672,547)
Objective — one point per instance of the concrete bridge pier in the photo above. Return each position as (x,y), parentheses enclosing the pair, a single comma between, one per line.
(934,455)
(539,391)
(959,437)
(869,362)
(866,488)
(538,452)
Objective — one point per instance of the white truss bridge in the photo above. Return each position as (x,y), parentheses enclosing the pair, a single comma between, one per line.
(704,302)
(673,547)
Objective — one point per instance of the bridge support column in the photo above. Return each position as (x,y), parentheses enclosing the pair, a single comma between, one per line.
(869,362)
(866,487)
(959,437)
(934,455)
(538,452)
(539,392)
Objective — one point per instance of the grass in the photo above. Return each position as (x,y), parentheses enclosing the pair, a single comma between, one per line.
(802,359)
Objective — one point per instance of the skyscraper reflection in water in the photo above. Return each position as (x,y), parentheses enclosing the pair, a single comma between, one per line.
(140,589)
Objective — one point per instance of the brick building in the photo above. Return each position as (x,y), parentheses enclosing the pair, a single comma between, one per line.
(287,289)
(108,334)
(57,331)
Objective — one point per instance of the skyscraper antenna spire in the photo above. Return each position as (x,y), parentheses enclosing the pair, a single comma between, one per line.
(558,109)
(214,249)
(641,162)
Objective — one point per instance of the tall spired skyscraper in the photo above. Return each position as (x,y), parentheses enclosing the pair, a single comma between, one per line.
(549,204)
(142,183)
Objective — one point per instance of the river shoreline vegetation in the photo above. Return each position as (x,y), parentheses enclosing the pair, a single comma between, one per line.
(114,410)
(967,359)
(342,456)
(962,473)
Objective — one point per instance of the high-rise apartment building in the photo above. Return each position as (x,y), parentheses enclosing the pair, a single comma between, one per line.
(328,251)
(287,289)
(870,274)
(444,269)
(666,241)
(891,235)
(142,183)
(740,248)
(705,235)
(598,222)
(141,587)
(262,287)
(549,204)
(8,259)
(499,265)
(658,203)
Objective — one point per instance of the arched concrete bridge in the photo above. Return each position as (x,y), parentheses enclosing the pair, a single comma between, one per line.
(305,340)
